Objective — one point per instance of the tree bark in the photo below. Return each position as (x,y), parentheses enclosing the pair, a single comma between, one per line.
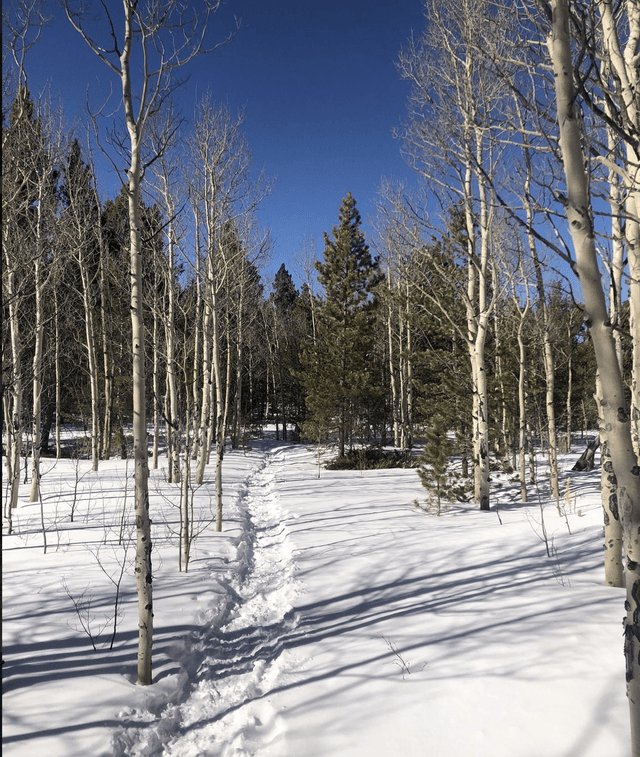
(34,494)
(613,406)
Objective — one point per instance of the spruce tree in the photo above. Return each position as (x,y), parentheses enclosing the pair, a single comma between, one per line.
(337,364)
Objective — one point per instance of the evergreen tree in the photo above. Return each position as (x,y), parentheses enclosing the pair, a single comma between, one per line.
(337,364)
(283,327)
(435,460)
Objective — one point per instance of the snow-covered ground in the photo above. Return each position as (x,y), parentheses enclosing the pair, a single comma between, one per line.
(331,618)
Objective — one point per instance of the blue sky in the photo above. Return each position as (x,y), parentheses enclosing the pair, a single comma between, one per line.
(319,88)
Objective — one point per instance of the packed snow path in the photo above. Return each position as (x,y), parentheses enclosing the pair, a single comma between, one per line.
(360,626)
(234,661)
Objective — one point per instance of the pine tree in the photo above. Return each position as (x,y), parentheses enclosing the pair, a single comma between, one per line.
(284,331)
(434,462)
(338,374)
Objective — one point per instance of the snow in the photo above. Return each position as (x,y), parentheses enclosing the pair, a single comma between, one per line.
(332,617)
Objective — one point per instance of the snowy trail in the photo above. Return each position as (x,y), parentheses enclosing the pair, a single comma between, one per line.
(219,710)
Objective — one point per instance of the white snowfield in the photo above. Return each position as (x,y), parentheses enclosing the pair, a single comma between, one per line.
(331,618)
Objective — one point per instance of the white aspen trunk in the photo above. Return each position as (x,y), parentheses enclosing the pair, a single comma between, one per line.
(547,350)
(409,379)
(173,433)
(143,567)
(484,311)
(15,426)
(107,359)
(624,64)
(613,558)
(198,338)
(522,405)
(156,391)
(633,254)
(239,361)
(58,378)
(392,367)
(92,360)
(569,405)
(185,520)
(211,427)
(481,435)
(37,361)
(220,417)
(549,377)
(472,335)
(613,407)
(613,545)
(208,317)
(504,434)
(6,410)
(477,322)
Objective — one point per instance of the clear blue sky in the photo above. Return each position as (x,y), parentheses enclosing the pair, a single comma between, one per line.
(320,92)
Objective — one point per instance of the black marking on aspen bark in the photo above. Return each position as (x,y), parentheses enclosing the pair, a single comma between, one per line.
(588,323)
(632,632)
(635,471)
(608,467)
(607,520)
(613,506)
(622,415)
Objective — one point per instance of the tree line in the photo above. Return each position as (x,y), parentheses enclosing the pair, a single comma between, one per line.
(496,298)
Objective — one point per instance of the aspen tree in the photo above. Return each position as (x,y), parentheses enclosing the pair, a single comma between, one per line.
(615,412)
(451,141)
(167,35)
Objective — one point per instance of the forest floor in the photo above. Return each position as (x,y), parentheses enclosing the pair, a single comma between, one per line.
(331,618)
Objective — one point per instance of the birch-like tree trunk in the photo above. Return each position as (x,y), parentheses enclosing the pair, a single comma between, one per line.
(450,139)
(143,567)
(615,412)
(107,352)
(17,384)
(58,376)
(622,60)
(39,282)
(165,36)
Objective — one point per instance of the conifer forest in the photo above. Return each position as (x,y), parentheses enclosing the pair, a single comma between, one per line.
(485,321)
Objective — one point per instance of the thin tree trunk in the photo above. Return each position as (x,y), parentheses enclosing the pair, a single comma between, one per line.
(107,357)
(569,392)
(143,568)
(208,318)
(173,435)
(156,391)
(58,377)
(408,441)
(92,359)
(15,426)
(37,361)
(198,339)
(219,418)
(392,366)
(522,403)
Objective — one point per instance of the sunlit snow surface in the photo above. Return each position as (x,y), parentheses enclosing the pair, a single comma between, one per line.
(331,618)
